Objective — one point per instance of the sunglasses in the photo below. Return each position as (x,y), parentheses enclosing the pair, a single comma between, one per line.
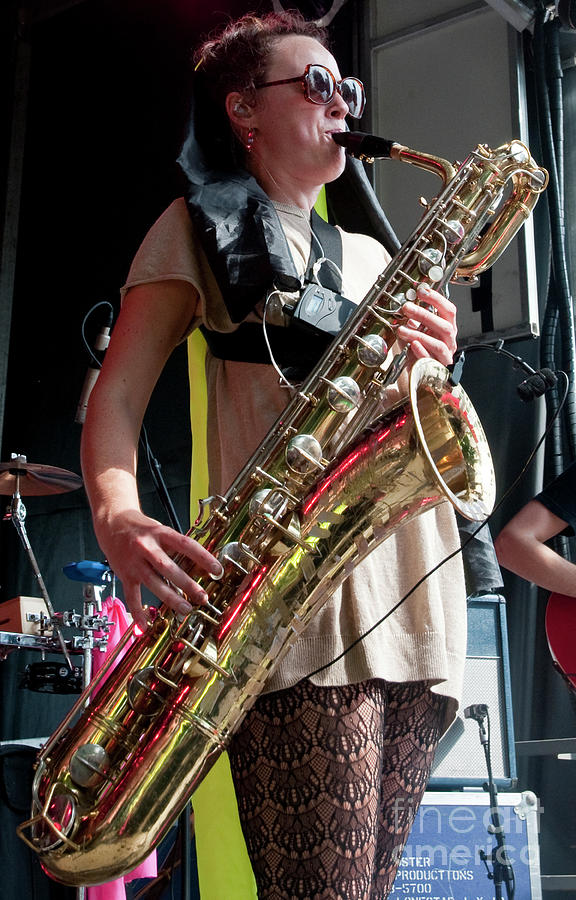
(320,85)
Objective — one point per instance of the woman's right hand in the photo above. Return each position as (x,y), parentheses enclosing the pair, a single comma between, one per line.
(139,551)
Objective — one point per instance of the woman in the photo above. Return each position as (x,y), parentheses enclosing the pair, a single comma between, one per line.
(329,771)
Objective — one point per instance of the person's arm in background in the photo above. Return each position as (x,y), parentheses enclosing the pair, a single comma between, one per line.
(521,548)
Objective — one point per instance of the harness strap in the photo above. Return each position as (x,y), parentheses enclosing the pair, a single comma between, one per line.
(247,344)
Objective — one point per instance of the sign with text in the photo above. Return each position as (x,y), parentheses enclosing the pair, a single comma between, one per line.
(452,835)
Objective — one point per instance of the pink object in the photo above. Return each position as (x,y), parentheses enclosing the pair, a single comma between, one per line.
(116,612)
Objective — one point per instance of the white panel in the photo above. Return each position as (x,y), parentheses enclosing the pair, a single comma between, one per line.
(443,87)
(460,754)
(390,16)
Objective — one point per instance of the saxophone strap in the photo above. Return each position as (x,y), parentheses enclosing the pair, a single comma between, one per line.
(247,342)
(329,240)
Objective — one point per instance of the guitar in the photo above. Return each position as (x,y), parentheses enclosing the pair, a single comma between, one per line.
(561,635)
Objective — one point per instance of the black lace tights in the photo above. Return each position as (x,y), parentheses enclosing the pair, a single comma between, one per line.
(328,781)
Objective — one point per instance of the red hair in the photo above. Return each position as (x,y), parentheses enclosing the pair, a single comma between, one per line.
(235,58)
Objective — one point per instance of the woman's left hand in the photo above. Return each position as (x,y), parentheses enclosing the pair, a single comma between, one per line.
(430,333)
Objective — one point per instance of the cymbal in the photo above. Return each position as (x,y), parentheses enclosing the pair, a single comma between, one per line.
(34,480)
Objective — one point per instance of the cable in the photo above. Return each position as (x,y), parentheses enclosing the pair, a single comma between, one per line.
(159,483)
(95,360)
(319,263)
(539,381)
(282,378)
(558,318)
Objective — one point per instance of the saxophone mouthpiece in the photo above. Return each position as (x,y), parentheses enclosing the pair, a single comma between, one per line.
(362,145)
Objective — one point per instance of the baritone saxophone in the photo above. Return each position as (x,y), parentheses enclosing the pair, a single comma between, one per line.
(335,476)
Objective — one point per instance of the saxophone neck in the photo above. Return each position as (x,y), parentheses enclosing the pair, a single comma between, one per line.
(368,147)
(427,161)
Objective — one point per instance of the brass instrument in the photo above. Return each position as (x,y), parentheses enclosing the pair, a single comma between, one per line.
(335,476)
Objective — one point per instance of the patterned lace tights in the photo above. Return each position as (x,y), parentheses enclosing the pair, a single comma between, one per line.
(328,781)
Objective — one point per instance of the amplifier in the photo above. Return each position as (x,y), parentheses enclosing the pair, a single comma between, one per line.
(460,759)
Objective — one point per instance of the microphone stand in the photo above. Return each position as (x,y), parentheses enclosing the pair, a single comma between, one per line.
(502,871)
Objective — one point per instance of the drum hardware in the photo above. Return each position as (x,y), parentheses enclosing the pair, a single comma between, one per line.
(10,641)
(48,677)
(19,477)
(25,615)
(32,479)
(94,576)
(53,677)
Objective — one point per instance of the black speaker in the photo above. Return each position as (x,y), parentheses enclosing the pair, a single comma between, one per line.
(460,760)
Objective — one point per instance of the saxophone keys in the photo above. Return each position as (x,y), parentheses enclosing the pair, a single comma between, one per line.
(268,502)
(205,658)
(539,179)
(344,393)
(53,823)
(143,694)
(431,263)
(206,508)
(89,765)
(406,277)
(214,619)
(435,274)
(304,454)
(260,475)
(519,152)
(293,538)
(469,214)
(234,552)
(454,230)
(372,351)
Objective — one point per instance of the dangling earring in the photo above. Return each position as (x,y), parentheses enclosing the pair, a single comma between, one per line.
(249,140)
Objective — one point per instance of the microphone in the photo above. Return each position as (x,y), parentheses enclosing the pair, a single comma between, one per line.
(536,384)
(477,711)
(360,145)
(93,371)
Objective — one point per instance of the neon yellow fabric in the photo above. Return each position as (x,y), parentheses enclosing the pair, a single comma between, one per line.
(320,206)
(224,870)
(198,413)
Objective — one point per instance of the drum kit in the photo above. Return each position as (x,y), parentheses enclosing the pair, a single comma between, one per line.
(39,626)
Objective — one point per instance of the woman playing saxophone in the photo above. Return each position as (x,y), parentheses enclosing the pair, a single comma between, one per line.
(328,770)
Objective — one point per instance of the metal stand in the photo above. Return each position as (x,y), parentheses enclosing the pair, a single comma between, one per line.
(501,871)
(91,620)
(17,514)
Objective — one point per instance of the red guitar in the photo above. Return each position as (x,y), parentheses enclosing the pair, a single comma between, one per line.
(561,634)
